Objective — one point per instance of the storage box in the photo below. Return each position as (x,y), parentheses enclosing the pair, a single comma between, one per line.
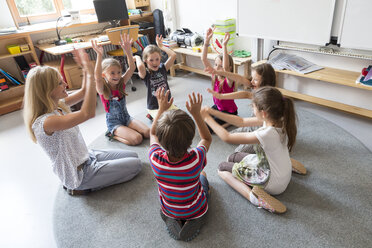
(24,47)
(13,49)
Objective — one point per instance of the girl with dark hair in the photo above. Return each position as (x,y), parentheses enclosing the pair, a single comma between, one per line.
(269,168)
(221,84)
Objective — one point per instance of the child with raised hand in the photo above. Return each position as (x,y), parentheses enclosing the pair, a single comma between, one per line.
(110,85)
(51,124)
(269,169)
(183,186)
(262,75)
(220,84)
(154,72)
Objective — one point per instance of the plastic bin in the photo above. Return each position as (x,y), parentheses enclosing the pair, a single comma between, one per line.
(13,49)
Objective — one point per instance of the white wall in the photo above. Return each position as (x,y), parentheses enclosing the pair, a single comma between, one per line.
(6,20)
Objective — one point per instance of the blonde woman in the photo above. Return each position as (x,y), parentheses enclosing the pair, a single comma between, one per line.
(52,125)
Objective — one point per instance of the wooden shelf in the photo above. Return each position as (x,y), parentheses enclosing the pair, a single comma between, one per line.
(327,103)
(4,56)
(334,76)
(331,75)
(11,99)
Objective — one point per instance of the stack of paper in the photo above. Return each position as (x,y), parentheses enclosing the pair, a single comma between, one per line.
(293,62)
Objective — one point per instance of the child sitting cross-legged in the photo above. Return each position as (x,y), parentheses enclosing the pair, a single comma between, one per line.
(269,168)
(110,85)
(183,186)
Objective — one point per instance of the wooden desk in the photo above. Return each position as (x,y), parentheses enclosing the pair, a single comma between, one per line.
(65,49)
(330,75)
(246,62)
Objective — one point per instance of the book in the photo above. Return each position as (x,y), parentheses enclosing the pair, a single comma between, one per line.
(366,77)
(11,78)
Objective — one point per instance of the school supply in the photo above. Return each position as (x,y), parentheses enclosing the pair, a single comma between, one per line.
(366,77)
(13,49)
(221,28)
(10,78)
(3,84)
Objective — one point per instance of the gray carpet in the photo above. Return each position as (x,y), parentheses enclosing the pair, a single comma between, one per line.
(329,207)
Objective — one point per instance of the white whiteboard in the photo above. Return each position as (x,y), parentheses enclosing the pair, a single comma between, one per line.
(356,28)
(302,21)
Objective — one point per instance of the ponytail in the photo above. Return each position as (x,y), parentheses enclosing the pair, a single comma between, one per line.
(280,110)
(289,122)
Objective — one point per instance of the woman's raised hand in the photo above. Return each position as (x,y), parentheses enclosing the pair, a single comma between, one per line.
(81,58)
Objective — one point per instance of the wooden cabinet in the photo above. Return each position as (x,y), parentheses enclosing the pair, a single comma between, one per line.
(146,16)
(11,99)
(73,73)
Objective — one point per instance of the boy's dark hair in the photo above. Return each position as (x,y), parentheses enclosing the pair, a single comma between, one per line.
(267,73)
(175,130)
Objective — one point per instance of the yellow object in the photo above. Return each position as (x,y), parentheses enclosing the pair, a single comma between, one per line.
(114,34)
(24,47)
(197,49)
(13,49)
(153,112)
(120,52)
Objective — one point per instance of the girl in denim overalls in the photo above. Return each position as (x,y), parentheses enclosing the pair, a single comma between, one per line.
(110,85)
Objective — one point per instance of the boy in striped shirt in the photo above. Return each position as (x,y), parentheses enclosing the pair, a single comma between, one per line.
(183,186)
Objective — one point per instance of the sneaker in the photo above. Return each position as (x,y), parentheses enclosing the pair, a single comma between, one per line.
(298,167)
(191,229)
(75,192)
(109,135)
(236,157)
(268,202)
(173,226)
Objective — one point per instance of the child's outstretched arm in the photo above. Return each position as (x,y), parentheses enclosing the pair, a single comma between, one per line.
(232,138)
(225,60)
(234,119)
(207,40)
(164,105)
(233,95)
(171,55)
(61,122)
(232,76)
(126,44)
(194,107)
(98,69)
(140,66)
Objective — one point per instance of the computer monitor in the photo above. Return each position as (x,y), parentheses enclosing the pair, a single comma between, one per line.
(111,10)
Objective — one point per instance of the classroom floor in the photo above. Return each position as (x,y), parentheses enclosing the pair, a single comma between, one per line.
(28,186)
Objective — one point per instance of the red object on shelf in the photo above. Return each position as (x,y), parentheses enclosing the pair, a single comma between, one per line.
(364,72)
